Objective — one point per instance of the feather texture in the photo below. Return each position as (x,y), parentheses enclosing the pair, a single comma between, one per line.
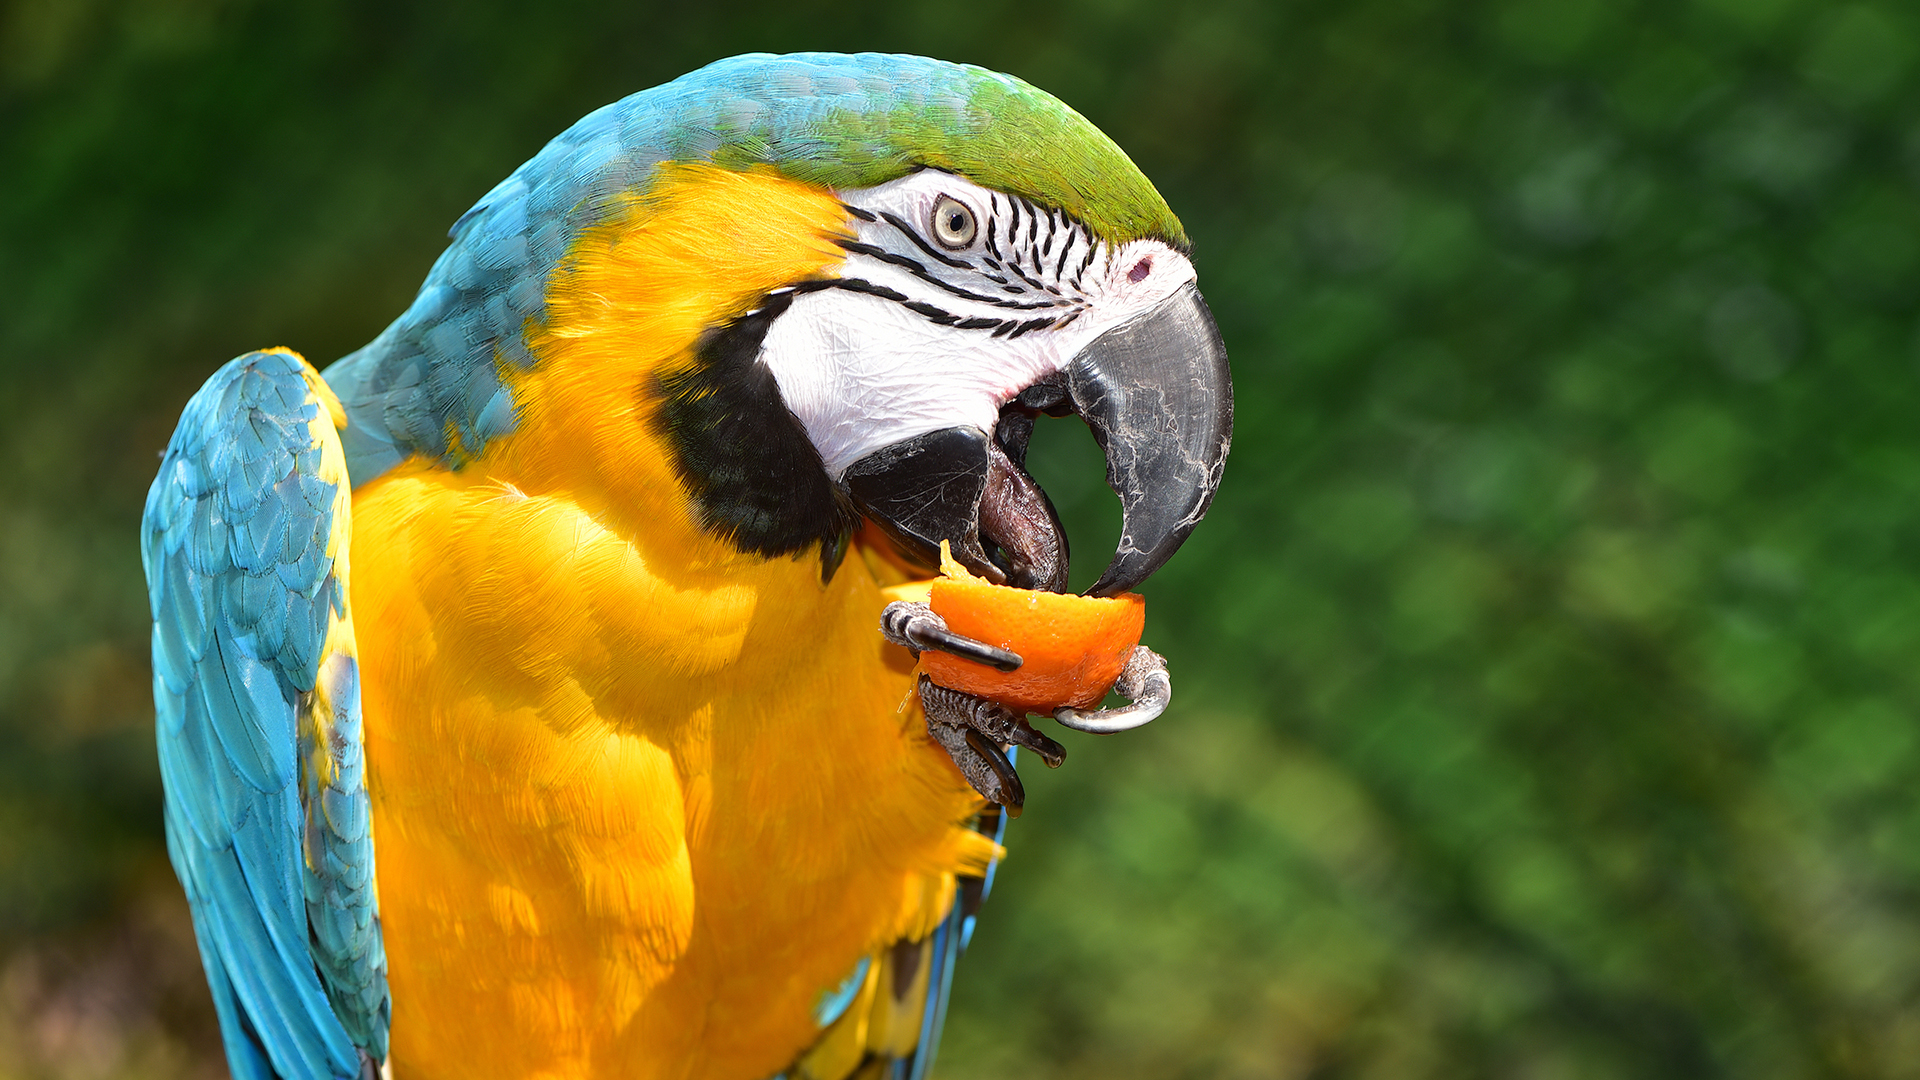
(435,381)
(256,688)
(889,1014)
(643,797)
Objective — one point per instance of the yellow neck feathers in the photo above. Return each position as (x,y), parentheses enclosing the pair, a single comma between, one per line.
(701,247)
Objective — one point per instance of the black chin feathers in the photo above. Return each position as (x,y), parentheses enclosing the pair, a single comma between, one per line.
(743,456)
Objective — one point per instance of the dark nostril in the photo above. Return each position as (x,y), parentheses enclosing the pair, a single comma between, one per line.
(1140,270)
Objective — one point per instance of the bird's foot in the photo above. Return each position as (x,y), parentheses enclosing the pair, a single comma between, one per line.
(975,733)
(914,625)
(1145,684)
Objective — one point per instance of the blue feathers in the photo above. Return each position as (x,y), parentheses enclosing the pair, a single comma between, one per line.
(833,1003)
(276,858)
(437,367)
(255,683)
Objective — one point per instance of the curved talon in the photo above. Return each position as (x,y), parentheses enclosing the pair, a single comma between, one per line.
(914,625)
(973,732)
(1145,684)
(1015,793)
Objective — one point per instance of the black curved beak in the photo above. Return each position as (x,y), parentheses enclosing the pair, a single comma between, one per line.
(1158,395)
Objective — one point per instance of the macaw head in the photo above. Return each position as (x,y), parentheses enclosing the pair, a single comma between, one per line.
(963,311)
(971,253)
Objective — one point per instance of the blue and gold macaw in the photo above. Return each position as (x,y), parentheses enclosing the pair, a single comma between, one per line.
(548,588)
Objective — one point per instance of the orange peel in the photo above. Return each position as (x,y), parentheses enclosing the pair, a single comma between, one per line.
(1072,648)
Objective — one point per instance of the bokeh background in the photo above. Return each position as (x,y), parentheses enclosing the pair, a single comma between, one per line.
(1547,669)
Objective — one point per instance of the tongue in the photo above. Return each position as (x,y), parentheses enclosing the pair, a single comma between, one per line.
(1016,515)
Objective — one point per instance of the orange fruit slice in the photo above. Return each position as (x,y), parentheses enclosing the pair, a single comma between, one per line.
(1072,647)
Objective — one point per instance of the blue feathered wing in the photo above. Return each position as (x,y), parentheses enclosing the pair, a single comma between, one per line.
(256,687)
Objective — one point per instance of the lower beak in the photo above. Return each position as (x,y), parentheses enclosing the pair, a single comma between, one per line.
(1157,393)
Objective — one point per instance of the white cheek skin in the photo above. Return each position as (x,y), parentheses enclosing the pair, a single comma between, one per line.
(861,373)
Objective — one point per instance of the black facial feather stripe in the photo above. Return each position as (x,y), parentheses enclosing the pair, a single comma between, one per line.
(1038,253)
(859,285)
(778,300)
(1022,275)
(745,458)
(914,236)
(934,314)
(1081,270)
(919,271)
(1030,324)
(1059,229)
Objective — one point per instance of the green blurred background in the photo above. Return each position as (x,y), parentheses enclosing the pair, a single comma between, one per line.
(1547,667)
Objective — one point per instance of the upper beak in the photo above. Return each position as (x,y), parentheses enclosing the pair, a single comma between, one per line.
(1157,393)
(1158,396)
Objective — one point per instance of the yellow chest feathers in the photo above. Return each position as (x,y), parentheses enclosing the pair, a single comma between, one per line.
(638,797)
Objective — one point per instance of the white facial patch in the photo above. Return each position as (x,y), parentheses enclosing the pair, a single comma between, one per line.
(922,331)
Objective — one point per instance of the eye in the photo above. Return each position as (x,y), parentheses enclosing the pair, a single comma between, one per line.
(953,223)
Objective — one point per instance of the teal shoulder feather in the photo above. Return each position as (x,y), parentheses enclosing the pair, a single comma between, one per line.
(258,722)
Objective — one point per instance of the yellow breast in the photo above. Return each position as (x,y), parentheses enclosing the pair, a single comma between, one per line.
(638,798)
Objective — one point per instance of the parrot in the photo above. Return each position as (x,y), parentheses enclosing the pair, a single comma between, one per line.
(574,596)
